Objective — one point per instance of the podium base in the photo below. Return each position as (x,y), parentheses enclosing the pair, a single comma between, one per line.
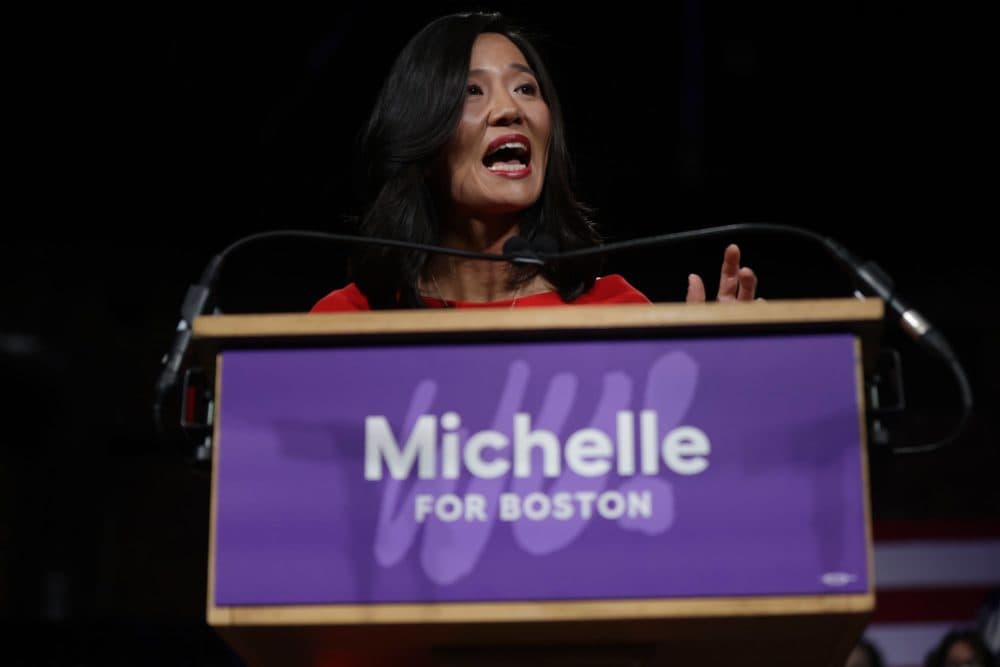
(761,641)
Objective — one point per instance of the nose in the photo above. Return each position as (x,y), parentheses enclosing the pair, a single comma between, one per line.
(505,111)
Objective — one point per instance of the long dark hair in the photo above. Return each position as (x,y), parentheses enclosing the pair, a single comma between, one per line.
(414,116)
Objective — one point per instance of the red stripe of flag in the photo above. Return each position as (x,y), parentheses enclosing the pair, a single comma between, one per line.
(897,530)
(929,605)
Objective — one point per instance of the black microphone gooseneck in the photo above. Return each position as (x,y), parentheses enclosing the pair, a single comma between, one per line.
(198,298)
(917,327)
(544,249)
(199,295)
(870,278)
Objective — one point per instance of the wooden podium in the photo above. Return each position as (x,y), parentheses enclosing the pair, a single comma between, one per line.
(637,485)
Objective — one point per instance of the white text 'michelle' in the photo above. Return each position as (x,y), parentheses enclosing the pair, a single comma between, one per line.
(435,448)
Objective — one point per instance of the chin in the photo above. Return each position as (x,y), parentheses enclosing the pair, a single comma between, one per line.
(511,205)
(499,198)
(518,199)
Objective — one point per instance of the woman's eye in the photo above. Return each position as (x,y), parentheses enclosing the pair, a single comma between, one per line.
(527,89)
(473,89)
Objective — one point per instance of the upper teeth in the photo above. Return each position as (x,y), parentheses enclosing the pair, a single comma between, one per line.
(511,144)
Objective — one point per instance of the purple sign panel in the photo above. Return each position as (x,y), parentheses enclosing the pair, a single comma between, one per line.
(540,471)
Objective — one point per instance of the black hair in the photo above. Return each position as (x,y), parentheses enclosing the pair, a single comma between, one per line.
(871,652)
(937,656)
(414,116)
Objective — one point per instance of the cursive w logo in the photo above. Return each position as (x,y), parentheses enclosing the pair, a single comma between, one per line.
(450,550)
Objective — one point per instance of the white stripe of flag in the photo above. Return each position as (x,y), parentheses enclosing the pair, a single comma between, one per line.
(937,564)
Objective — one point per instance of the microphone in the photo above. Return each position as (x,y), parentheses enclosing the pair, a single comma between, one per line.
(918,327)
(536,252)
(878,283)
(519,250)
(873,281)
(198,298)
(196,302)
(544,249)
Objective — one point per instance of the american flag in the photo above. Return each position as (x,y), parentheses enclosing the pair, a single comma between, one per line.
(932,577)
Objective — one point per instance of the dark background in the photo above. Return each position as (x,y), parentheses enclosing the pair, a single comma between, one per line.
(145,141)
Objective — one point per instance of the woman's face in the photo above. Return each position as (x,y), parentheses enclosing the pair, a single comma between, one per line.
(495,162)
(960,654)
(858,658)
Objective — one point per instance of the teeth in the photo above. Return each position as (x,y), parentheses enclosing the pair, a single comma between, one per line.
(503,166)
(521,151)
(512,145)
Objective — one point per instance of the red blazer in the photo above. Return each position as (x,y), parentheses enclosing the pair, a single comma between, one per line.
(609,289)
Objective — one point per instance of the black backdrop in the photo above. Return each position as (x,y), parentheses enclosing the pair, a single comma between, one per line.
(152,138)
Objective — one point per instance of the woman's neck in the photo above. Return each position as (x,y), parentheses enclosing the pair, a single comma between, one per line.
(460,279)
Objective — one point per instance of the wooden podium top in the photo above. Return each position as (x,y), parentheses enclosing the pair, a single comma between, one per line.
(844,313)
(863,317)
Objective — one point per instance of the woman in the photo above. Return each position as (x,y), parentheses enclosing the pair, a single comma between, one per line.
(465,148)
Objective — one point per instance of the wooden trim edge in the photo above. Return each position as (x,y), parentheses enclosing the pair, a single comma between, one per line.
(544,611)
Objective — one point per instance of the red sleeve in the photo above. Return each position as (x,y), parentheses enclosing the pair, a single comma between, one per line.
(344,299)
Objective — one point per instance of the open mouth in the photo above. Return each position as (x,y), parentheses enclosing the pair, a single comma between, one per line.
(510,153)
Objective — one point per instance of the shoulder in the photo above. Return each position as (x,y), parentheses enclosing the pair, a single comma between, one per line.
(344,299)
(612,288)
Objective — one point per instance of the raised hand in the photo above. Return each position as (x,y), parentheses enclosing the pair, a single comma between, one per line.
(737,283)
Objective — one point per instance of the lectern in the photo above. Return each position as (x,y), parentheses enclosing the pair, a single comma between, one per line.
(662,484)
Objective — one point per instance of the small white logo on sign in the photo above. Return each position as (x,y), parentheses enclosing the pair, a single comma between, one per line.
(837,578)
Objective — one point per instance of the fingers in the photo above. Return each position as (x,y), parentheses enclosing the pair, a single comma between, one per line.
(736,283)
(696,289)
(729,282)
(748,284)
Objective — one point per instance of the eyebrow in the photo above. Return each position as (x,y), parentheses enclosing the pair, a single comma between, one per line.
(515,66)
